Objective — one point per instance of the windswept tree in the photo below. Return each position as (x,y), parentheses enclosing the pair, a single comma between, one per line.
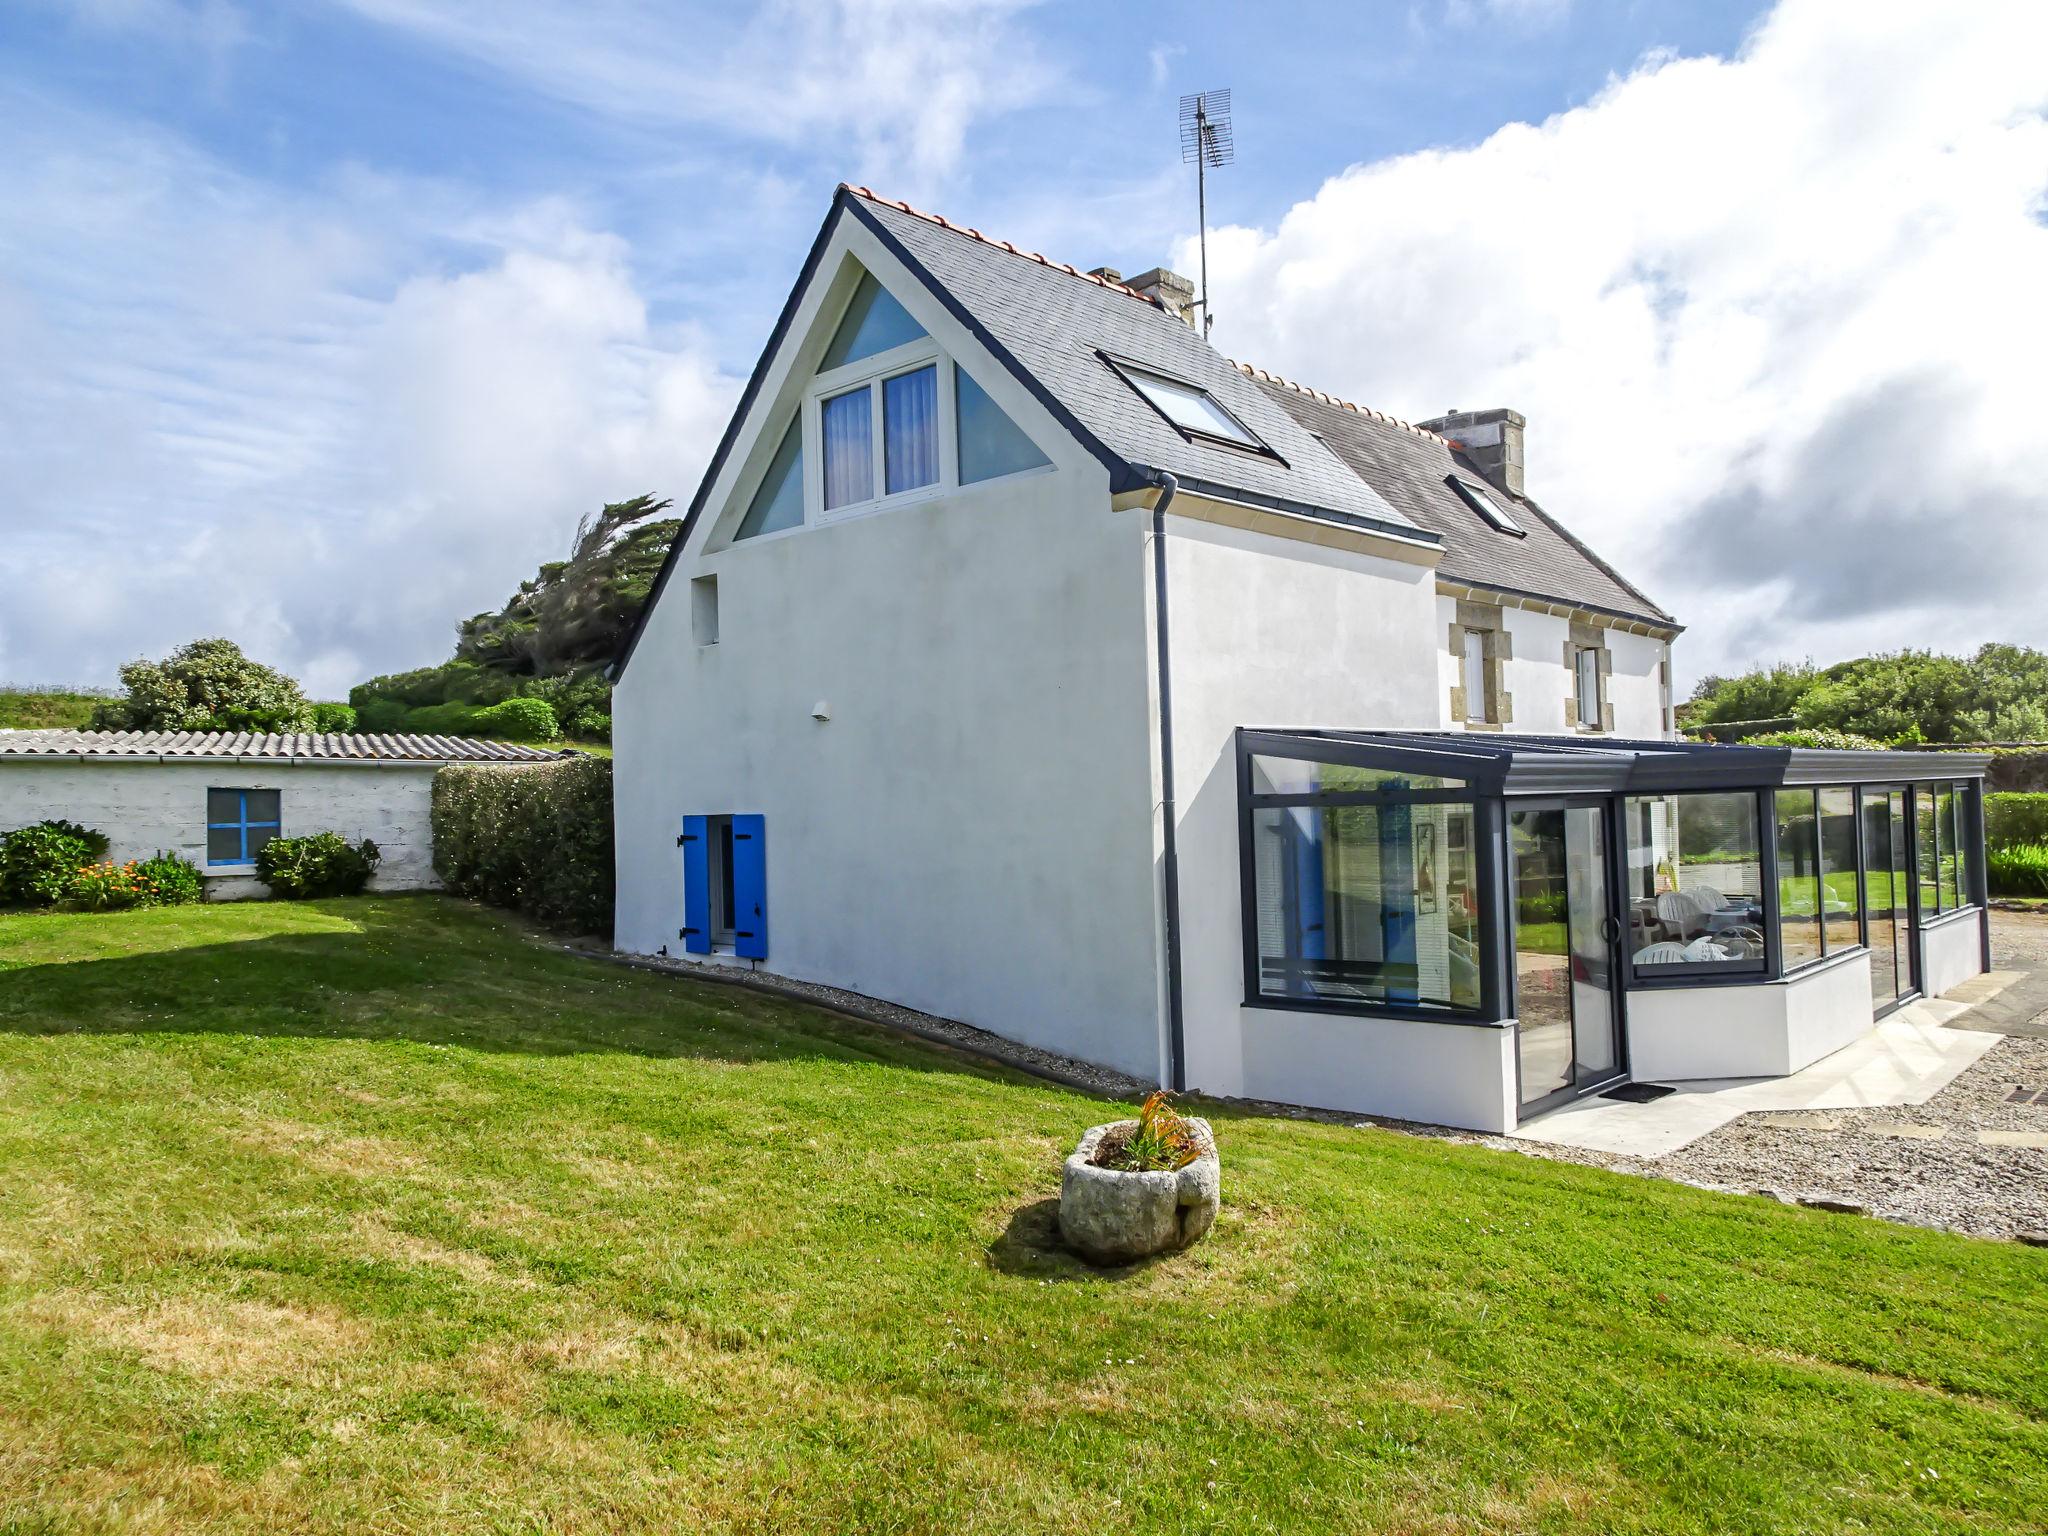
(575,612)
(206,685)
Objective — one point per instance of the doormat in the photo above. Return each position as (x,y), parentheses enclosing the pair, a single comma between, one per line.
(1639,1093)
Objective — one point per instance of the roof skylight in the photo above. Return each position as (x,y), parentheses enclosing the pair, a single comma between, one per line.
(1479,501)
(1188,407)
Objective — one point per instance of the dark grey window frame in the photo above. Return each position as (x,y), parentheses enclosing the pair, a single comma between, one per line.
(1258,447)
(1504,770)
(1483,506)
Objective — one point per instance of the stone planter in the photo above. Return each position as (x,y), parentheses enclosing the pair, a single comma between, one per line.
(1113,1217)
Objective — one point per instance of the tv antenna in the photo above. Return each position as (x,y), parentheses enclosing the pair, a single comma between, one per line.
(1206,139)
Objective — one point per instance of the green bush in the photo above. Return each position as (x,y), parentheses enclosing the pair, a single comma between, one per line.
(37,863)
(590,725)
(171,881)
(521,719)
(441,720)
(323,864)
(334,718)
(534,837)
(1832,741)
(2010,819)
(2020,869)
(381,716)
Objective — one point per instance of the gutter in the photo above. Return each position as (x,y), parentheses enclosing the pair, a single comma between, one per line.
(1169,856)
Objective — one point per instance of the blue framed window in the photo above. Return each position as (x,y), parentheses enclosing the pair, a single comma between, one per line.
(238,823)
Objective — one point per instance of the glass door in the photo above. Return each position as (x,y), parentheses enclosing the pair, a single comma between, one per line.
(1568,1036)
(1887,887)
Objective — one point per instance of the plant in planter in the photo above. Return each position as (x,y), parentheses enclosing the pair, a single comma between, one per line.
(1134,1188)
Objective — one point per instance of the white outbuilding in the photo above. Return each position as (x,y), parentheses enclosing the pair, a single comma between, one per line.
(217,797)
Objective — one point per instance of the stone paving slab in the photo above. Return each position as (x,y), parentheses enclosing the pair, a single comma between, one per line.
(2036,1139)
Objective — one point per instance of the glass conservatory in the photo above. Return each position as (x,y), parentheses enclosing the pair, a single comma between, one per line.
(1627,909)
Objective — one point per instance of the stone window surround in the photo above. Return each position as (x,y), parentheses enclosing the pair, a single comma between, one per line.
(1487,621)
(1587,637)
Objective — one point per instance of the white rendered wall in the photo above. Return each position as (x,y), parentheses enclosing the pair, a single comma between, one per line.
(1539,683)
(1636,685)
(1443,1074)
(1952,952)
(146,806)
(969,834)
(1676,1034)
(1273,632)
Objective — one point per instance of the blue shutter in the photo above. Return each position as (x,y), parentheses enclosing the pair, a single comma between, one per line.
(696,841)
(750,887)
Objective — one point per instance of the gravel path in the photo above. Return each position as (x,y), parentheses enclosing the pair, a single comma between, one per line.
(1918,1163)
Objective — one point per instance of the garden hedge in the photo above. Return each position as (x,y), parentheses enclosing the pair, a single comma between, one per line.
(2014,819)
(534,837)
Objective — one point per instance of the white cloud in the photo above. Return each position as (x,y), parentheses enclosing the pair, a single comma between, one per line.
(326,424)
(1777,321)
(892,85)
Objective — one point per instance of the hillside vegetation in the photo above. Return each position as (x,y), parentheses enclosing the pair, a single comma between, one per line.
(46,709)
(1903,697)
(549,643)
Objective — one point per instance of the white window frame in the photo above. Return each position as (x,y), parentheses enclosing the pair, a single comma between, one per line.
(1475,686)
(872,373)
(1585,660)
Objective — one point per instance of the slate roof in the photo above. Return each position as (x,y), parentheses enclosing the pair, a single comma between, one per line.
(246,746)
(1052,324)
(1409,466)
(1057,328)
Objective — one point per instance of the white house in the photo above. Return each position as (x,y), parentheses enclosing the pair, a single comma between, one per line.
(1024,661)
(216,797)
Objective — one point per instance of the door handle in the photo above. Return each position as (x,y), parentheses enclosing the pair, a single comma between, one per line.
(1610,929)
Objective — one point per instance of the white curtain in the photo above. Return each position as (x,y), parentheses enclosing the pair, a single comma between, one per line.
(848,430)
(910,421)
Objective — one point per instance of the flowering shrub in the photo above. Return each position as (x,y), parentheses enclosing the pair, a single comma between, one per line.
(163,880)
(105,888)
(323,864)
(37,863)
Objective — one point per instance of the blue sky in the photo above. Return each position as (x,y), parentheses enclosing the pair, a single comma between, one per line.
(321,323)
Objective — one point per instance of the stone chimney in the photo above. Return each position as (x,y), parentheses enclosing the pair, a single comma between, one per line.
(1491,439)
(1107,274)
(1174,292)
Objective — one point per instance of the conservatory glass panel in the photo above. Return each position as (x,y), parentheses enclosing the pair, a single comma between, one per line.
(1841,902)
(1798,877)
(1369,904)
(1694,880)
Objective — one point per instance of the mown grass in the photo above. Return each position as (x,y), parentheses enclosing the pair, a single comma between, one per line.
(377,1215)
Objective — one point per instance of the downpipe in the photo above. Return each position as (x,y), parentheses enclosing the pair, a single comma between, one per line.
(1176,1036)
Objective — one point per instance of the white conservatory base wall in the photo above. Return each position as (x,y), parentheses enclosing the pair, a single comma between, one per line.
(144,806)
(1676,1034)
(1405,1069)
(1952,951)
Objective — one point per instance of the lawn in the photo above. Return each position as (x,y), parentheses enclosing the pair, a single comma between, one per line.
(378,1215)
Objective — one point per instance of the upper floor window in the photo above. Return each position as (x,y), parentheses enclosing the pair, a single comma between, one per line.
(1586,684)
(1474,667)
(888,414)
(1484,504)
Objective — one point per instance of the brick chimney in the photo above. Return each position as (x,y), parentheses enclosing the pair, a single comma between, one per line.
(1174,292)
(1491,439)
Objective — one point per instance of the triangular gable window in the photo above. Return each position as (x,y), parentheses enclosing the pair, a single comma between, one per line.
(990,443)
(779,503)
(874,323)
